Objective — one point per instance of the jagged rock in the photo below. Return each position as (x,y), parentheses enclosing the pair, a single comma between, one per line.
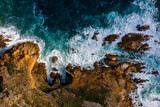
(3,41)
(69,79)
(91,104)
(54,75)
(138,81)
(111,38)
(69,67)
(122,67)
(56,79)
(133,42)
(156,73)
(87,83)
(55,69)
(54,59)
(111,60)
(157,42)
(143,28)
(23,78)
(95,36)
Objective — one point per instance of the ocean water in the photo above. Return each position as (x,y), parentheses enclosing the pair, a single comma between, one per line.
(64,28)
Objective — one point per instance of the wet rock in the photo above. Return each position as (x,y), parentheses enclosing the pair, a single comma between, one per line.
(157,41)
(56,79)
(55,69)
(95,36)
(143,28)
(111,38)
(54,59)
(122,67)
(54,75)
(111,57)
(138,80)
(104,43)
(3,41)
(156,73)
(111,60)
(133,42)
(76,71)
(69,79)
(69,67)
(143,48)
(131,68)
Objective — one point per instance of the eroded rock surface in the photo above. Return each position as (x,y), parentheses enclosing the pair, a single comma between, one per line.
(104,86)
(23,78)
(134,42)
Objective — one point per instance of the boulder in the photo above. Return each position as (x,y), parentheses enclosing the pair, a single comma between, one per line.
(110,38)
(111,60)
(54,59)
(95,36)
(133,42)
(69,67)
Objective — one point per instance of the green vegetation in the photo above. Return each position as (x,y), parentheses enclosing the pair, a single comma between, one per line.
(91,95)
(62,101)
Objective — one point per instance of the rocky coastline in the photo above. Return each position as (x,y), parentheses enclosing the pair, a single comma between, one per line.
(23,81)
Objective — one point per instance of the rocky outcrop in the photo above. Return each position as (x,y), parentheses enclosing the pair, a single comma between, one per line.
(54,59)
(134,42)
(102,86)
(3,41)
(110,38)
(23,79)
(143,28)
(95,36)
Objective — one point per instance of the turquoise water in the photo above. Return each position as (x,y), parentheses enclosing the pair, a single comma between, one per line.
(60,28)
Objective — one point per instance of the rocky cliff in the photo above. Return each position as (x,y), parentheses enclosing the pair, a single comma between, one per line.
(22,78)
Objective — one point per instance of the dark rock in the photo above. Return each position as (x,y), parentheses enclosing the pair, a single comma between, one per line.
(143,28)
(69,80)
(111,60)
(138,81)
(56,79)
(111,38)
(54,75)
(54,59)
(95,36)
(133,42)
(157,41)
(55,69)
(69,67)
(104,43)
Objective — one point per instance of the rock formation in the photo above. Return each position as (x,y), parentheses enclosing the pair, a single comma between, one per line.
(23,79)
(134,42)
